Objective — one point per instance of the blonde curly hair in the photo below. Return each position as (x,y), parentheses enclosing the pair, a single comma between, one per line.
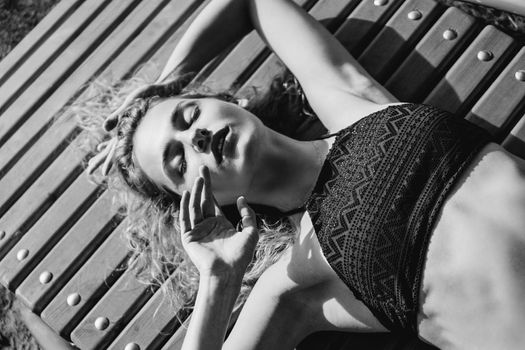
(151,211)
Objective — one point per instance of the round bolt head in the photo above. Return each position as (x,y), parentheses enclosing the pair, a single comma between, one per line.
(415,15)
(101,323)
(380,2)
(46,277)
(485,55)
(2,234)
(22,254)
(520,75)
(73,299)
(132,346)
(450,34)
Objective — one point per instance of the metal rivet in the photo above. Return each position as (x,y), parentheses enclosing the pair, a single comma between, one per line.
(73,299)
(2,234)
(520,75)
(22,254)
(132,346)
(380,2)
(415,15)
(46,277)
(485,55)
(450,34)
(101,323)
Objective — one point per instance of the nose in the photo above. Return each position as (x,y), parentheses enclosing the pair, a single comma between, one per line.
(201,139)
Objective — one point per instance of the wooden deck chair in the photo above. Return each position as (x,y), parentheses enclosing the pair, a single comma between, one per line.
(61,250)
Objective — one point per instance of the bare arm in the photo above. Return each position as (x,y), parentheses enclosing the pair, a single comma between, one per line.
(221,255)
(338,88)
(220,24)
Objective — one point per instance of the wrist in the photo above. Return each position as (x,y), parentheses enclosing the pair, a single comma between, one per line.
(222,278)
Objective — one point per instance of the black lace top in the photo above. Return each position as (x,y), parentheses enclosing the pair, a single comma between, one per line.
(377,197)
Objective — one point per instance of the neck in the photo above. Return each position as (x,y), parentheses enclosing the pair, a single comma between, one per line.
(288,171)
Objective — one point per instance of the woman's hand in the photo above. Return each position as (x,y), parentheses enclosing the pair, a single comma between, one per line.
(212,243)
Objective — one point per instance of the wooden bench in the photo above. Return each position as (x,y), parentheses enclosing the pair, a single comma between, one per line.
(60,245)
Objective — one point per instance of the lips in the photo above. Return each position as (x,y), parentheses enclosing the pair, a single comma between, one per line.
(217,143)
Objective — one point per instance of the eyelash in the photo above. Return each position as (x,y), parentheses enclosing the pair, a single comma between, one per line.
(194,114)
(179,112)
(183,166)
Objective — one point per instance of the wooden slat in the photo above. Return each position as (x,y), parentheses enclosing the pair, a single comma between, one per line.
(399,35)
(49,186)
(120,304)
(48,147)
(238,61)
(155,322)
(431,57)
(61,67)
(467,77)
(515,141)
(46,54)
(68,254)
(91,281)
(364,23)
(162,47)
(34,39)
(24,137)
(503,101)
(176,340)
(46,232)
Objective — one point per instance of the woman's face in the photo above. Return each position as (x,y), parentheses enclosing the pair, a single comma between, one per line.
(178,135)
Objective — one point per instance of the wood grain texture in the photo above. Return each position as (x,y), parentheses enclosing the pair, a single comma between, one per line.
(68,254)
(152,325)
(504,100)
(124,299)
(37,37)
(13,116)
(398,36)
(364,23)
(431,57)
(31,203)
(515,141)
(91,281)
(47,54)
(46,231)
(74,83)
(469,76)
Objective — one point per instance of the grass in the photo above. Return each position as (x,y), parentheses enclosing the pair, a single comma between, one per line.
(17,18)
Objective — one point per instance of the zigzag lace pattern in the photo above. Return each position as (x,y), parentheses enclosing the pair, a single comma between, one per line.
(377,197)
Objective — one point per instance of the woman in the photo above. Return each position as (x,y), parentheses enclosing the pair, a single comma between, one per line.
(408,220)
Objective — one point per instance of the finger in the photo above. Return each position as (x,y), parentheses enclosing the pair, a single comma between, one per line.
(101,146)
(112,120)
(184,218)
(249,220)
(112,147)
(207,202)
(96,161)
(195,201)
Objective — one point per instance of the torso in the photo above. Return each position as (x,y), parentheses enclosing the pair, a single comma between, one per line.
(473,278)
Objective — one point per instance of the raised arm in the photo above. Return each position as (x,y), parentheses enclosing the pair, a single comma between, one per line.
(338,88)
(220,24)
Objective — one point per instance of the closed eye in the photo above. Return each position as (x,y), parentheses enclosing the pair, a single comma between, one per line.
(173,158)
